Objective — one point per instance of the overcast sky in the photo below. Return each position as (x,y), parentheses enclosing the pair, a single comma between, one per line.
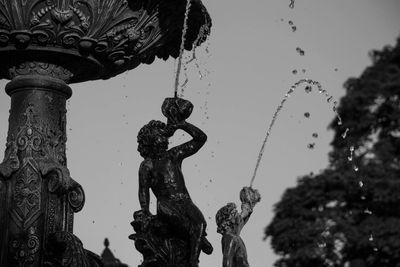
(245,73)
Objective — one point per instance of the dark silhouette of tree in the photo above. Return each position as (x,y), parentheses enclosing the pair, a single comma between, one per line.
(349,214)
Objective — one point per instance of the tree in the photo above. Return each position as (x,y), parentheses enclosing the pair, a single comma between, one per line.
(349,215)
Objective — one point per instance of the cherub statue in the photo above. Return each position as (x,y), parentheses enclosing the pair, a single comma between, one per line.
(230,224)
(161,172)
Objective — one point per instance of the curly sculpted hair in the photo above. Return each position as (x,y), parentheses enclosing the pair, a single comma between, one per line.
(148,141)
(225,218)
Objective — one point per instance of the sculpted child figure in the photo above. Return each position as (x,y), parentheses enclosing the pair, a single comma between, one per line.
(161,172)
(230,223)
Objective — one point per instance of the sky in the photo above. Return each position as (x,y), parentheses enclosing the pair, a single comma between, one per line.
(241,75)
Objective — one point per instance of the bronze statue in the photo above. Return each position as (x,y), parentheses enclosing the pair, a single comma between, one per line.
(161,172)
(230,223)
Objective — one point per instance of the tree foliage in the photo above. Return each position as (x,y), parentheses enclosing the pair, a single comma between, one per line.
(349,214)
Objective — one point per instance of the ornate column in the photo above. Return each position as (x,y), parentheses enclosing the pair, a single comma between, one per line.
(44,46)
(39,196)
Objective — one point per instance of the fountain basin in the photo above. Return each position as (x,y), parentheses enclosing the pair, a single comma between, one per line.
(93,39)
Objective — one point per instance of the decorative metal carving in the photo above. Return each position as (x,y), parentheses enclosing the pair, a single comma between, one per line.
(26,248)
(106,37)
(35,170)
(159,242)
(160,171)
(65,249)
(230,223)
(40,68)
(27,196)
(40,150)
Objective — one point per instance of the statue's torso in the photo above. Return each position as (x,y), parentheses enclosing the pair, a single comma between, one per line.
(238,249)
(167,179)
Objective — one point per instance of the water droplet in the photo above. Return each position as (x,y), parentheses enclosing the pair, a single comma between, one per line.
(375,249)
(336,69)
(344,135)
(350,158)
(355,168)
(339,122)
(185,82)
(367,211)
(294,72)
(360,184)
(300,51)
(371,238)
(329,99)
(294,28)
(290,22)
(363,198)
(291,5)
(307,114)
(308,89)
(315,135)
(311,145)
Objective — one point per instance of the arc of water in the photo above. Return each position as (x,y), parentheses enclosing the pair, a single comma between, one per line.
(291,90)
(261,153)
(182,47)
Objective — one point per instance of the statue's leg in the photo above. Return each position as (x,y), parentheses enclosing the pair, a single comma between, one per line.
(185,215)
(173,213)
(176,214)
(197,217)
(198,231)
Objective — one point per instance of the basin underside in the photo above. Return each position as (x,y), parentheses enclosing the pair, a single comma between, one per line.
(95,39)
(22,62)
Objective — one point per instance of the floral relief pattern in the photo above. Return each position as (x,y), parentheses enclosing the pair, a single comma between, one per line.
(27,191)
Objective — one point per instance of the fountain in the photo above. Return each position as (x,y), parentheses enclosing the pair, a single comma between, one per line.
(46,45)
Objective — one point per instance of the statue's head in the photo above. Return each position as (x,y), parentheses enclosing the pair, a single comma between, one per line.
(153,139)
(227,218)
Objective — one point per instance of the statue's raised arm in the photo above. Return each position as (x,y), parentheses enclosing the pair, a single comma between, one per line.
(177,110)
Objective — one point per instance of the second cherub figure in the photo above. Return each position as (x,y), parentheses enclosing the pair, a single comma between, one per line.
(230,223)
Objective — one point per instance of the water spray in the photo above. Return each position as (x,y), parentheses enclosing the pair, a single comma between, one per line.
(308,89)
(182,47)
